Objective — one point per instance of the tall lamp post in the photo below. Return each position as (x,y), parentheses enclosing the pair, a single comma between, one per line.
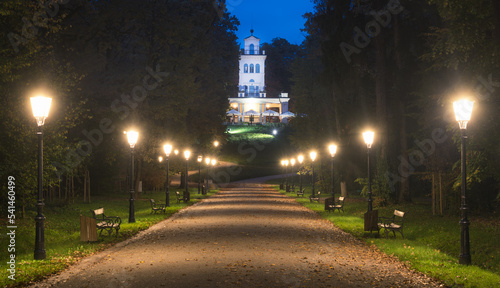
(300,158)
(368,137)
(187,197)
(168,149)
(132,137)
(333,151)
(287,188)
(292,163)
(207,161)
(200,158)
(40,106)
(313,157)
(463,111)
(213,161)
(282,185)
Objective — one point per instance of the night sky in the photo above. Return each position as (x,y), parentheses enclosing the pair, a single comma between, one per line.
(270,18)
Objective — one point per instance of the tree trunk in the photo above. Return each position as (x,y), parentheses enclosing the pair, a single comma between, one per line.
(72,188)
(182,182)
(138,177)
(440,194)
(496,13)
(85,187)
(66,188)
(381,93)
(433,194)
(337,126)
(404,188)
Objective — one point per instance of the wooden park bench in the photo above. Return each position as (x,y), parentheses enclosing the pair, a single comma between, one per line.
(301,193)
(179,197)
(331,206)
(394,223)
(104,222)
(156,207)
(316,198)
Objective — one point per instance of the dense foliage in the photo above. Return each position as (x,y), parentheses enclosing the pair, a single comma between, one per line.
(396,67)
(164,67)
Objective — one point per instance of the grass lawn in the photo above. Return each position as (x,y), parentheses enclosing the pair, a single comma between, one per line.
(255,145)
(431,244)
(62,232)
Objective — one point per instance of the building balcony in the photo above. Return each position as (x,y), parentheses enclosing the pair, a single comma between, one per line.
(243,94)
(252,52)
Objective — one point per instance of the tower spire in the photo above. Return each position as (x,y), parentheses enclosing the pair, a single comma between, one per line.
(251,25)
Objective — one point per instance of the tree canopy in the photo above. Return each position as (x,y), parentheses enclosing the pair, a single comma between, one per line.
(396,67)
(163,67)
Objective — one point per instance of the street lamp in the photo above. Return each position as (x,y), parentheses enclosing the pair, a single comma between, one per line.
(213,161)
(187,197)
(216,143)
(313,157)
(207,161)
(368,137)
(292,162)
(200,158)
(168,149)
(333,151)
(287,188)
(40,106)
(132,137)
(282,184)
(463,111)
(300,158)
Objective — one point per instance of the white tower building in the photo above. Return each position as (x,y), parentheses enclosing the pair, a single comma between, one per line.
(252,98)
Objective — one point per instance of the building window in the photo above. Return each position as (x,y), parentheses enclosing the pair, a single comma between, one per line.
(252,49)
(257,68)
(245,69)
(251,68)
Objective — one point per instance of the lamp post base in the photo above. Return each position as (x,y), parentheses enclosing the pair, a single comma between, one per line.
(464,257)
(40,253)
(370,202)
(131,216)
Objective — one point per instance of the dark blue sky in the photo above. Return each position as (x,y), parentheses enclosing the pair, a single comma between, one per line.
(270,18)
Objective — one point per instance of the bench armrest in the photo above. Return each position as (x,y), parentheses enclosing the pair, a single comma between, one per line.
(112,219)
(386,220)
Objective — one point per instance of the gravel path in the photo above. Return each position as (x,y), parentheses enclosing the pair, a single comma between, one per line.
(245,236)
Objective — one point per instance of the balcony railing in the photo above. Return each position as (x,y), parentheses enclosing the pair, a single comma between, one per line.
(254,52)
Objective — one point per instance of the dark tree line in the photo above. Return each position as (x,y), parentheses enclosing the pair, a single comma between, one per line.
(164,67)
(396,67)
